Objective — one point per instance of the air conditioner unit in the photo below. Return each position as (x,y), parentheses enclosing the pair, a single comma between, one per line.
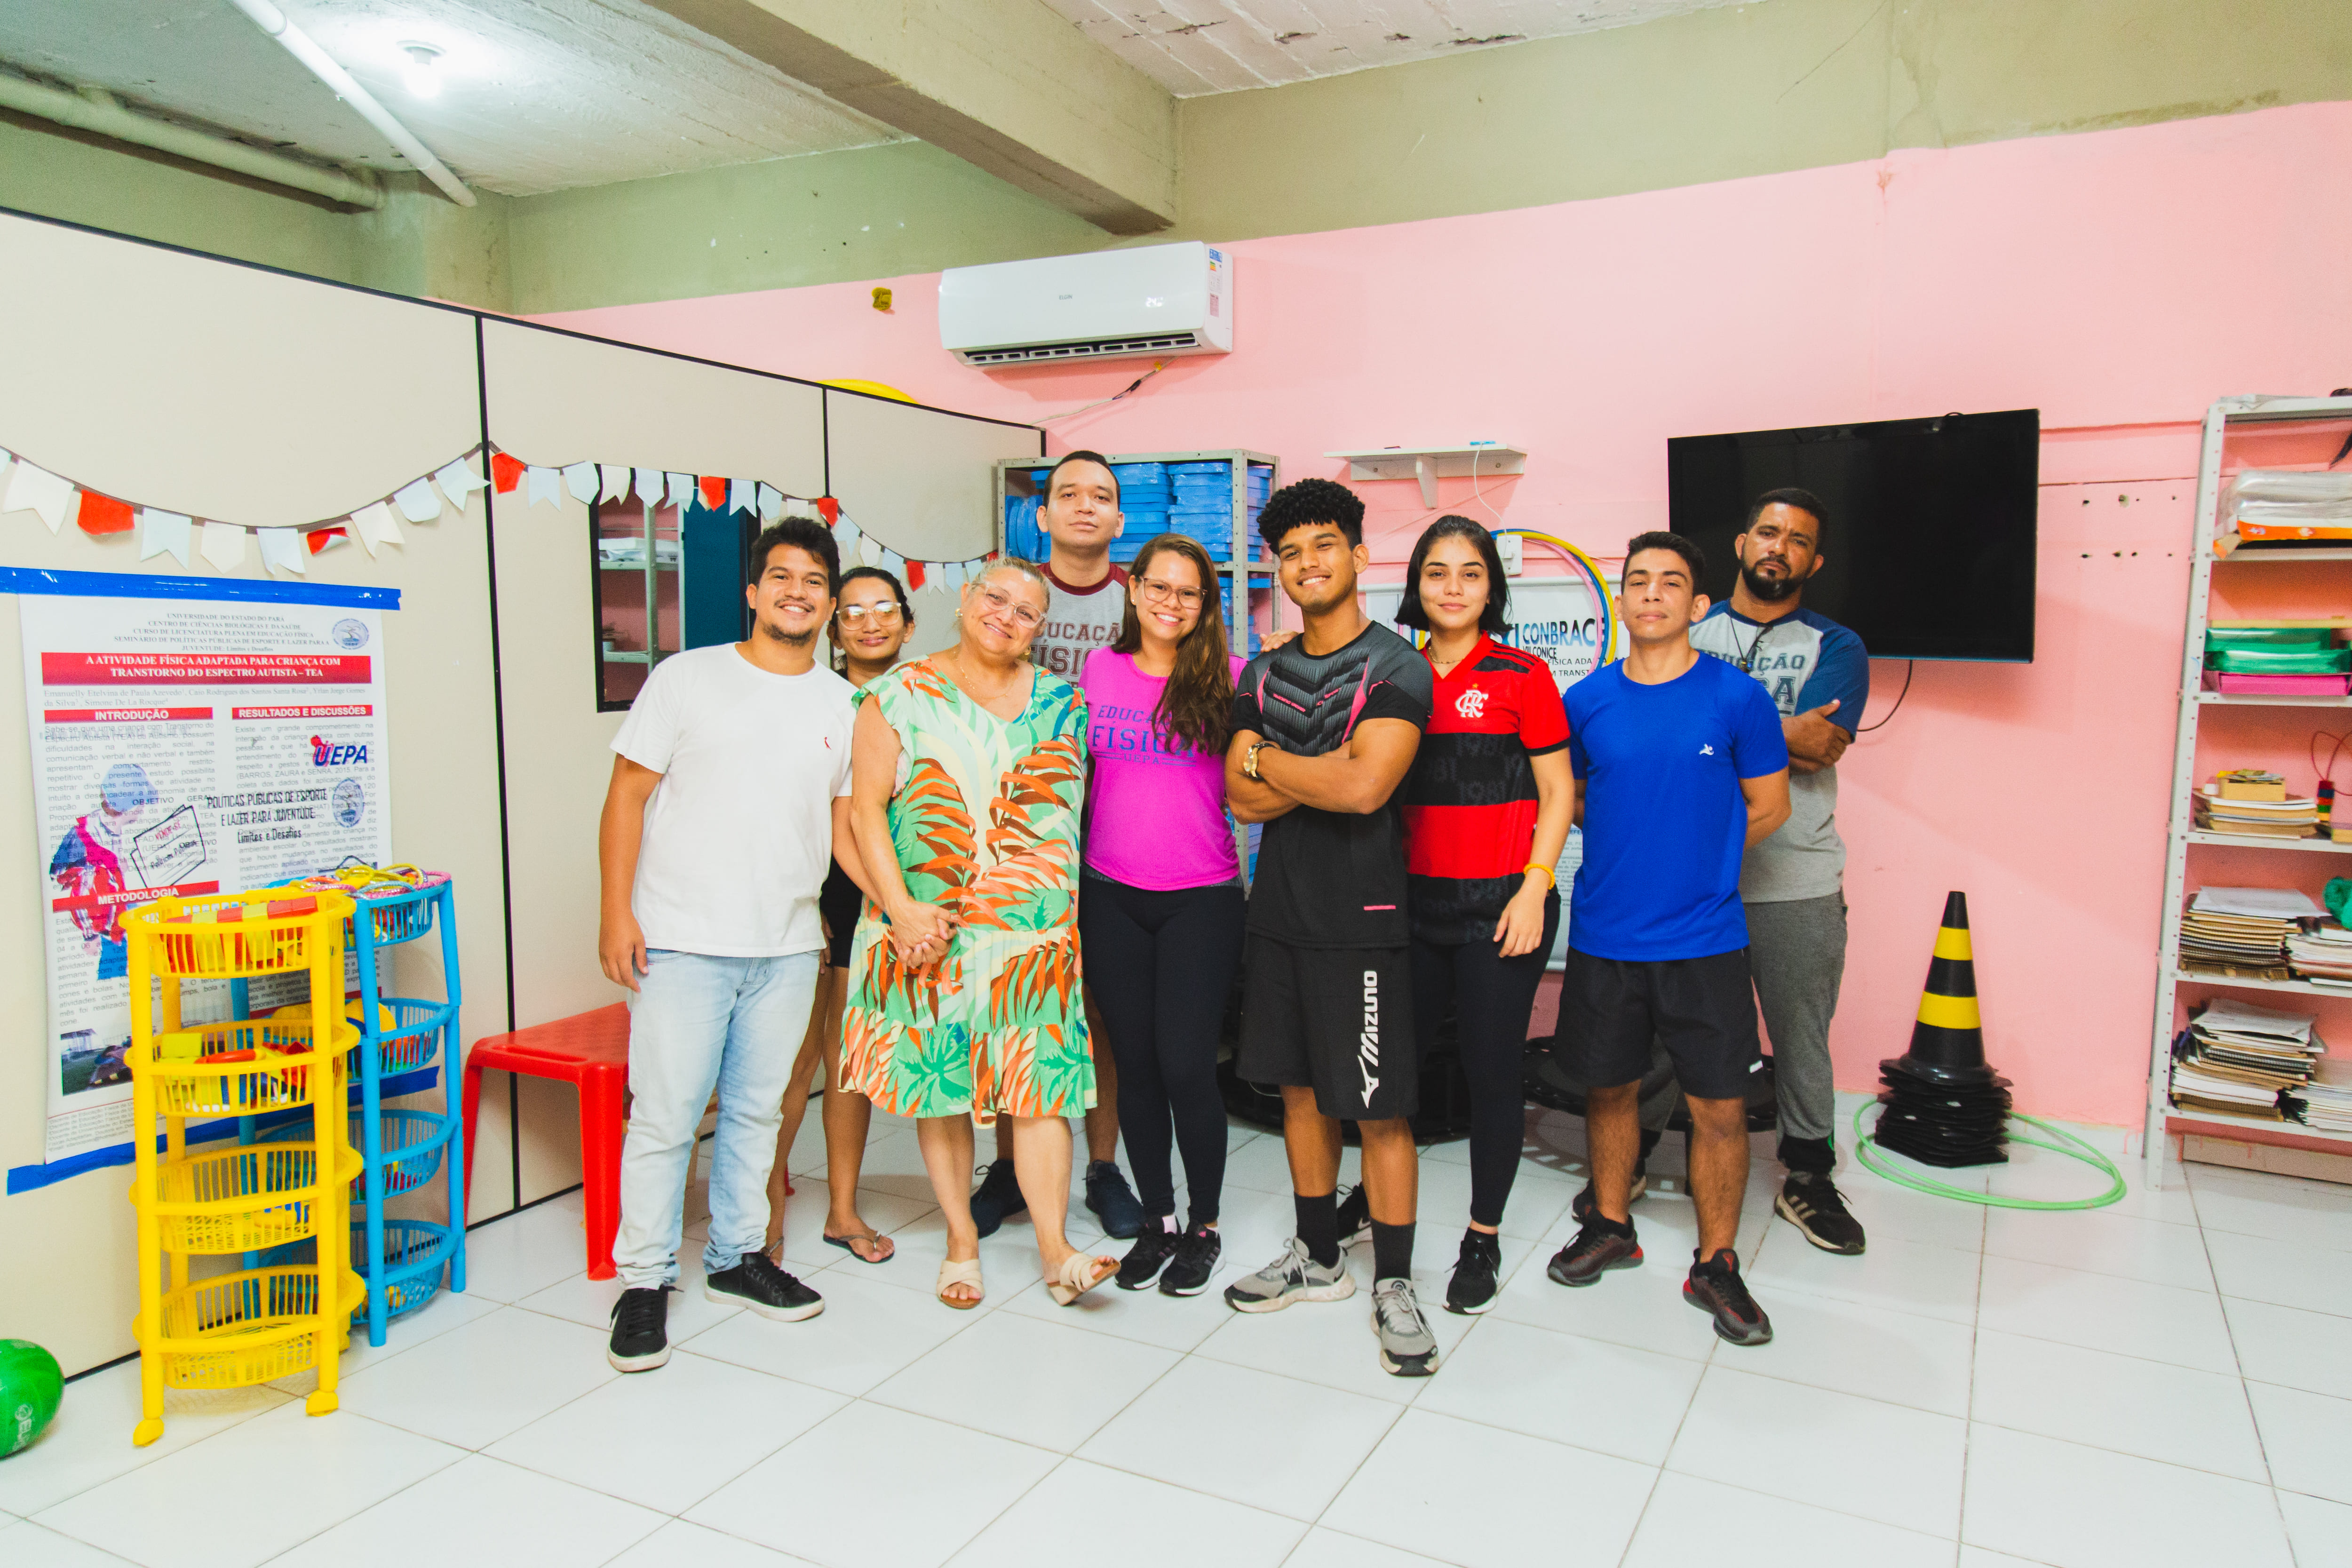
(1158,300)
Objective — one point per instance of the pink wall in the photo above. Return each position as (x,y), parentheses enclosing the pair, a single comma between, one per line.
(2118,281)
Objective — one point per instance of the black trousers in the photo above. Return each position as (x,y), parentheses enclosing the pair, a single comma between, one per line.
(1160,965)
(1490,997)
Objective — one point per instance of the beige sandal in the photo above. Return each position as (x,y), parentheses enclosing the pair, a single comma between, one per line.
(965,1272)
(1079,1275)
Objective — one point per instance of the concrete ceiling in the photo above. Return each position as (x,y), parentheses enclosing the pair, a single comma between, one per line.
(537,95)
(1196,46)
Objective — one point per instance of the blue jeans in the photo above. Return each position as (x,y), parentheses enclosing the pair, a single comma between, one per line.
(699,1023)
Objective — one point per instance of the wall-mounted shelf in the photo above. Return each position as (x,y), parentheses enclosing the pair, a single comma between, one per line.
(2255,841)
(1469,460)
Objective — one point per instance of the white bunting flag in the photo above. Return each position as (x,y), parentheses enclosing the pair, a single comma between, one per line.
(223,545)
(799,506)
(894,563)
(458,483)
(772,502)
(581,480)
(162,531)
(742,495)
(545,485)
(417,502)
(615,479)
(681,492)
(374,526)
(37,490)
(649,486)
(869,552)
(282,550)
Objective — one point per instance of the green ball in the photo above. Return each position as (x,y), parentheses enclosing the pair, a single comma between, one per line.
(31,1384)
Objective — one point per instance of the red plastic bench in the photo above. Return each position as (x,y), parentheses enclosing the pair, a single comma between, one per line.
(591,1051)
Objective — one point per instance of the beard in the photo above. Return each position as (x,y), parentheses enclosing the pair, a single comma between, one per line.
(775,633)
(1772,590)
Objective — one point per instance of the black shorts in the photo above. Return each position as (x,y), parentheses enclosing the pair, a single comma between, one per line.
(839,900)
(1702,1010)
(1338,1020)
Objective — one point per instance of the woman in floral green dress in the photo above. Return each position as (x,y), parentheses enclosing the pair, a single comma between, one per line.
(969,768)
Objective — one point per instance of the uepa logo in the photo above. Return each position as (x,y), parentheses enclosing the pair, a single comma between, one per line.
(328,755)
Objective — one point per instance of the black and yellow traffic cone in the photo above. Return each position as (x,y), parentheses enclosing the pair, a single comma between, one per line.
(1944,1104)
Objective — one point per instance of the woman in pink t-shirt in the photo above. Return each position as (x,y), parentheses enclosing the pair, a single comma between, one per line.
(1160,906)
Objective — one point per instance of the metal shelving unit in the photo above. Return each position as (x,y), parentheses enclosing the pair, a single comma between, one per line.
(2228,415)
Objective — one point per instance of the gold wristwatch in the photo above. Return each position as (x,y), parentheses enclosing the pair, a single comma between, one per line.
(1249,760)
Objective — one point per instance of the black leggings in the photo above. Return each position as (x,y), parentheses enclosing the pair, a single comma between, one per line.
(1491,997)
(1160,965)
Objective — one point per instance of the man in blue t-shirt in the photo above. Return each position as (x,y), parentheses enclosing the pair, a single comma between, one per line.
(1793,884)
(1680,766)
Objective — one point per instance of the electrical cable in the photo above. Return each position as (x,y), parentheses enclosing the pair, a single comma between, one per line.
(1864,1145)
(1100,402)
(1908,665)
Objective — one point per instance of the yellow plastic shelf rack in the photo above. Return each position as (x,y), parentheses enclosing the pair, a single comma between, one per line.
(268,1319)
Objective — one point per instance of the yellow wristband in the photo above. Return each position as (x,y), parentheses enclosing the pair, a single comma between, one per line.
(1549,877)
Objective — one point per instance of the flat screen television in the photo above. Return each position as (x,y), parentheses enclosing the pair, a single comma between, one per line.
(1927,551)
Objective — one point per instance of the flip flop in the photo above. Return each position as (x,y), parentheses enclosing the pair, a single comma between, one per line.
(1079,1274)
(844,1242)
(966,1272)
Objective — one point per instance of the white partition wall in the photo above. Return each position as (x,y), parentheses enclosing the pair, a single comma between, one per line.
(226,391)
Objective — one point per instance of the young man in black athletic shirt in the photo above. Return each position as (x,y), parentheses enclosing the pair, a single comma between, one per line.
(1325,729)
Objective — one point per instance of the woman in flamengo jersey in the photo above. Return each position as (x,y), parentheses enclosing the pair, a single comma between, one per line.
(871,622)
(1487,813)
(1159,912)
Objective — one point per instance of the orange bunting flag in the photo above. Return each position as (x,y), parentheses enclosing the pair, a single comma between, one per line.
(828,509)
(320,539)
(506,472)
(104,514)
(914,573)
(714,492)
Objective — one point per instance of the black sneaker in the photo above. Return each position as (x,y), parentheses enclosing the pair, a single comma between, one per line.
(640,1329)
(1580,1207)
(1810,1201)
(1472,1288)
(999,1197)
(1592,1252)
(1355,1216)
(1112,1201)
(756,1282)
(1154,1247)
(1196,1258)
(1716,1287)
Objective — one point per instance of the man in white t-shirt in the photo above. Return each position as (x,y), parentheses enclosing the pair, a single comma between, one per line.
(730,793)
(1080,516)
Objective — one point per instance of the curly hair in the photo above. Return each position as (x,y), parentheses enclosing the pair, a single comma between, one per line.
(1306,502)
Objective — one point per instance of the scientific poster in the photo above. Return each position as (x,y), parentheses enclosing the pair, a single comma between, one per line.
(182,745)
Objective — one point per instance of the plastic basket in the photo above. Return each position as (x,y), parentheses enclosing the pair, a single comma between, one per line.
(413,1145)
(407,1030)
(237,1329)
(240,1199)
(414,1251)
(237,934)
(284,1074)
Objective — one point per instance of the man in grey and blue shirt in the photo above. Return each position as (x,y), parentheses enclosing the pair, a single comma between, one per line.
(1793,883)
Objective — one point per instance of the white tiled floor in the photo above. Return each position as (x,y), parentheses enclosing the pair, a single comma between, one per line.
(2168,1380)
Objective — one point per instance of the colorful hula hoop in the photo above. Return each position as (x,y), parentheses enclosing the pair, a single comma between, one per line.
(1591,570)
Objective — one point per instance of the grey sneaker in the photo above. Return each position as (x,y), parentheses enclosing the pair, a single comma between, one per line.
(1407,1347)
(1293,1277)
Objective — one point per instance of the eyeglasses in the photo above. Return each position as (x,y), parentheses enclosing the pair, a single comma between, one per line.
(856,615)
(1153,592)
(997,600)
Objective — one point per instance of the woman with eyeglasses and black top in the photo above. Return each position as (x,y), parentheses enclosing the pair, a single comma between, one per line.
(1486,812)
(871,622)
(1161,905)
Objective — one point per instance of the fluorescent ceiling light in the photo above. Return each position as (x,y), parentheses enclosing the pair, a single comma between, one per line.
(419,72)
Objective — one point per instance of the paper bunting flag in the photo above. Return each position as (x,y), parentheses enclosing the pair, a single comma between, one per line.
(37,490)
(649,486)
(893,563)
(320,539)
(417,502)
(828,509)
(615,479)
(458,481)
(772,502)
(713,489)
(224,545)
(103,514)
(545,485)
(162,531)
(581,480)
(915,574)
(281,550)
(869,552)
(796,507)
(742,495)
(681,492)
(507,471)
(374,526)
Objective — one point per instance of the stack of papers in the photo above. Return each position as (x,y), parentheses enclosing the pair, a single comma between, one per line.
(2322,953)
(2238,1057)
(2325,1101)
(2297,817)
(2243,931)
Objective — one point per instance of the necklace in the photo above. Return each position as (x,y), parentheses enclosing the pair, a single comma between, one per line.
(1748,659)
(972,689)
(1448,667)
